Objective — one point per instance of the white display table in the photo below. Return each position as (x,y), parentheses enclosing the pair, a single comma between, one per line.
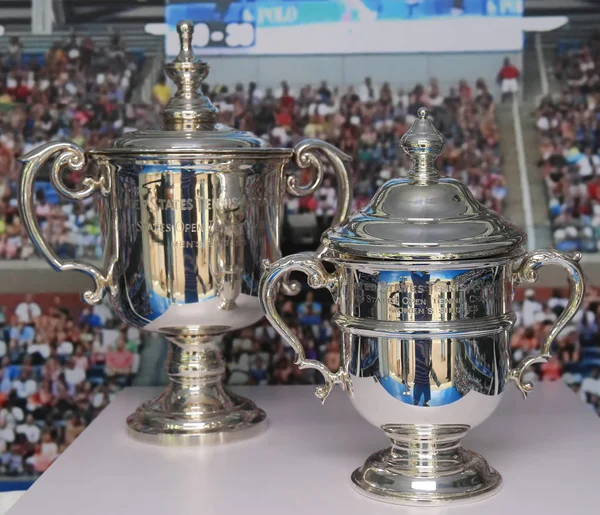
(547,449)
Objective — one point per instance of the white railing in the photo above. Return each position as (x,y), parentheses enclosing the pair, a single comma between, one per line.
(523,175)
(541,64)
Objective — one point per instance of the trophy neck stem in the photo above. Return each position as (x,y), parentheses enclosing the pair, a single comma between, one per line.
(423,169)
(194,360)
(428,450)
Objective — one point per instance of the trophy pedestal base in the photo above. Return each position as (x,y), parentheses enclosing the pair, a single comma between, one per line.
(195,409)
(173,420)
(426,465)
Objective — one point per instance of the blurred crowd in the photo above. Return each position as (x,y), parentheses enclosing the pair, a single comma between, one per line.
(575,353)
(80,92)
(569,129)
(59,368)
(367,122)
(76,91)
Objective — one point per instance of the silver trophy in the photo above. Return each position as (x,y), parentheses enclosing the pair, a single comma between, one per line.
(189,214)
(424,279)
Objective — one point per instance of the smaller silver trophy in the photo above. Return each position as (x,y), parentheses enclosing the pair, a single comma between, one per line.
(189,214)
(424,279)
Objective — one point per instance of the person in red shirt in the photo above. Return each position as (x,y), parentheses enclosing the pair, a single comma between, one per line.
(283,118)
(551,371)
(286,101)
(508,78)
(21,92)
(593,188)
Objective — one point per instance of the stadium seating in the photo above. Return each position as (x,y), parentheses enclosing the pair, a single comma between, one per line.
(569,144)
(56,376)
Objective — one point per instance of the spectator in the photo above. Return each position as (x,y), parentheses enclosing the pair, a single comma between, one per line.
(73,429)
(49,447)
(161,93)
(30,430)
(24,386)
(7,435)
(530,308)
(590,388)
(309,312)
(508,78)
(74,375)
(28,311)
(39,462)
(13,461)
(119,361)
(551,371)
(15,51)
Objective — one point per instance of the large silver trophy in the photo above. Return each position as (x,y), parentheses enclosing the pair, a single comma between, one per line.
(424,279)
(189,214)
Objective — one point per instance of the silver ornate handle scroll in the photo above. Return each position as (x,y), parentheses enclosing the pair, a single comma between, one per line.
(527,272)
(73,157)
(308,154)
(318,277)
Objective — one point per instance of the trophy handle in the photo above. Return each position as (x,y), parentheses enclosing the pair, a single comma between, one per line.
(73,157)
(527,272)
(318,277)
(308,153)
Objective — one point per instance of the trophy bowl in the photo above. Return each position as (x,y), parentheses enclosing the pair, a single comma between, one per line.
(189,213)
(423,278)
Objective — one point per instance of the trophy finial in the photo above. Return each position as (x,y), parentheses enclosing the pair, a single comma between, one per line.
(185,29)
(422,113)
(188,110)
(424,144)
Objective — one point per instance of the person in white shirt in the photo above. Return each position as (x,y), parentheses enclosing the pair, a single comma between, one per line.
(558,302)
(588,164)
(28,311)
(42,348)
(11,415)
(530,308)
(7,433)
(74,375)
(65,348)
(367,91)
(48,446)
(590,386)
(134,334)
(543,123)
(327,200)
(103,311)
(25,385)
(31,431)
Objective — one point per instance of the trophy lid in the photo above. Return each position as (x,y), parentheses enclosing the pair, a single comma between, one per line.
(189,118)
(423,217)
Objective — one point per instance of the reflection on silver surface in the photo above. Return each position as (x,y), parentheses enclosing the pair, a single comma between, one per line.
(424,281)
(189,213)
